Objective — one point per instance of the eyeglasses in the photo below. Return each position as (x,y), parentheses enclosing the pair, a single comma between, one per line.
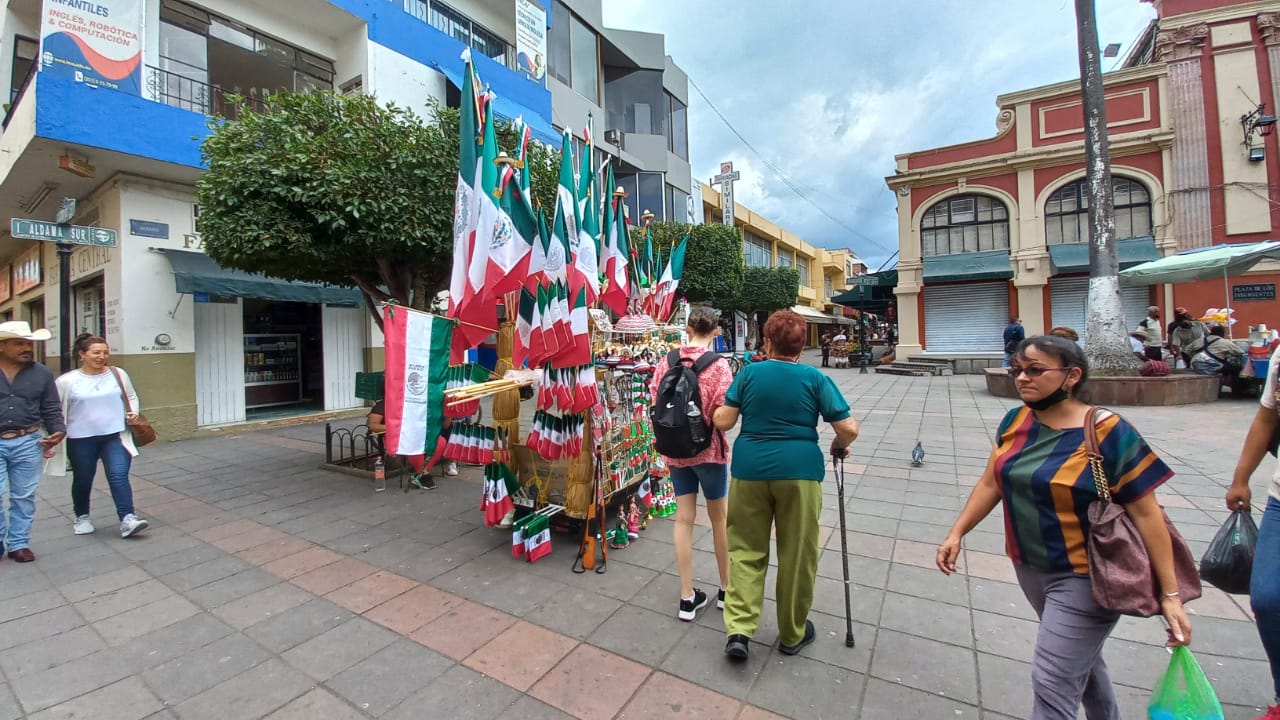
(1032,372)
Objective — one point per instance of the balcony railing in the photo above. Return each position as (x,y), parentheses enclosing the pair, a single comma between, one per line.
(461,28)
(180,91)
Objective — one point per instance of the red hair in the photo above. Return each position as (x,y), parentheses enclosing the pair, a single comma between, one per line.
(786,332)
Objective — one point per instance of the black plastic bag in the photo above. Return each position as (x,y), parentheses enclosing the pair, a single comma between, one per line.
(1228,563)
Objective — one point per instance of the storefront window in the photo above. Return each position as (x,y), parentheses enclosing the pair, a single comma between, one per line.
(964,224)
(644,192)
(574,53)
(677,204)
(1066,212)
(786,258)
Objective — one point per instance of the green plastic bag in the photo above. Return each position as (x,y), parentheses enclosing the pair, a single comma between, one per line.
(1183,692)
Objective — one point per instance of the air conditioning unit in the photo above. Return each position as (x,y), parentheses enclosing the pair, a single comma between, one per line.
(614,138)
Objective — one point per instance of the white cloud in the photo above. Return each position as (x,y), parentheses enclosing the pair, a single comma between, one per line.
(830,92)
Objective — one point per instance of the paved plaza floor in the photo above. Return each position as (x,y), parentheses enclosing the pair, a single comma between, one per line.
(269,588)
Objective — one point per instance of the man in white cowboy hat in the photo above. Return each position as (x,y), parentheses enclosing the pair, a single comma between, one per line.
(28,400)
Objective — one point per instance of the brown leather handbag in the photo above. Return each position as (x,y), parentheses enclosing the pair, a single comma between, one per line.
(1119,566)
(139,426)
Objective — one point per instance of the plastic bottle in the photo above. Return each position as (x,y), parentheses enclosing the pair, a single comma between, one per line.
(379,476)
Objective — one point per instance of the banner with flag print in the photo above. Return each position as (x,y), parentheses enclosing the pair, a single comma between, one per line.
(417,365)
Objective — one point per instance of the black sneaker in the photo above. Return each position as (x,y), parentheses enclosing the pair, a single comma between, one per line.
(689,608)
(736,648)
(424,481)
(809,635)
(720,600)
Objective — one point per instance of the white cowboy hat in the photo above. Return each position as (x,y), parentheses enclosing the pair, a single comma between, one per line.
(20,330)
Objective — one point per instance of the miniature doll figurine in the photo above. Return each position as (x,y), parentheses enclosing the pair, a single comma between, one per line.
(633,519)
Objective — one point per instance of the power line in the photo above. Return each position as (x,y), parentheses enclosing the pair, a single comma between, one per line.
(781,175)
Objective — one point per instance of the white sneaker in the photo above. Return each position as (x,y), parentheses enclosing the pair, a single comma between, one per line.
(84,525)
(132,525)
(451,469)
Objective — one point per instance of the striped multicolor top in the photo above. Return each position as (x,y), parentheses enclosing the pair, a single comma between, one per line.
(1046,486)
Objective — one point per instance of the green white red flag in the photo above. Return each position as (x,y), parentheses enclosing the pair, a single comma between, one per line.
(417,363)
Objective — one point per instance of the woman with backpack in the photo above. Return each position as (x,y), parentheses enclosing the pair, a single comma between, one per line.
(707,467)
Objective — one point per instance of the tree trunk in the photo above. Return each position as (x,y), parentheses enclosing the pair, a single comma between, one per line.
(1107,344)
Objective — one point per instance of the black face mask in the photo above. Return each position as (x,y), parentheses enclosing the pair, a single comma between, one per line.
(1049,400)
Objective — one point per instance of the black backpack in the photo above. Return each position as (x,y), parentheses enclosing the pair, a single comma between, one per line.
(680,430)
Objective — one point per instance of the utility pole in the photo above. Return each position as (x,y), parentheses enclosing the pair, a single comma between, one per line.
(1106,344)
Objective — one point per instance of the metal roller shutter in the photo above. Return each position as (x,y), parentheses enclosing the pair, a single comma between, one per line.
(1069,298)
(966,318)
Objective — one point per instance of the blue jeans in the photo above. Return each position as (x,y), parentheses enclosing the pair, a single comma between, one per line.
(84,454)
(713,477)
(21,465)
(1264,587)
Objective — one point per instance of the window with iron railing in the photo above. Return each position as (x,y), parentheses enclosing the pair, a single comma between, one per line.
(461,28)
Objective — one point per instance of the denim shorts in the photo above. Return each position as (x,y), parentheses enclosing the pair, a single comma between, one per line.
(713,477)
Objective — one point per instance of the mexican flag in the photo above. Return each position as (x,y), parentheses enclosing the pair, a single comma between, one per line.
(417,361)
(665,292)
(617,254)
(464,194)
(537,538)
(516,231)
(586,247)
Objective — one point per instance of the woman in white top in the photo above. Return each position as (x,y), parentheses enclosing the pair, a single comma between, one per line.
(93,404)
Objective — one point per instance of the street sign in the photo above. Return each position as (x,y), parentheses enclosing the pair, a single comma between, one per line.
(54,232)
(66,210)
(725,180)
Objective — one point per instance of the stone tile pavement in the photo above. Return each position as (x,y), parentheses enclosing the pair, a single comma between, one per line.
(268,588)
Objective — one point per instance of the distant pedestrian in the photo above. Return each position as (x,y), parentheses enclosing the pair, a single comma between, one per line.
(840,349)
(1153,341)
(777,472)
(825,343)
(1063,331)
(33,402)
(1039,474)
(1187,336)
(1013,334)
(93,400)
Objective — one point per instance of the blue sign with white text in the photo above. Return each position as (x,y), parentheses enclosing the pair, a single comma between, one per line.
(147,228)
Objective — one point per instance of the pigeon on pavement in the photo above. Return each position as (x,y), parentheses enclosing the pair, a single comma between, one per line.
(917,455)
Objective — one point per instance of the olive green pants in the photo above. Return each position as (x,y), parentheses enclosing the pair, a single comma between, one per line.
(755,506)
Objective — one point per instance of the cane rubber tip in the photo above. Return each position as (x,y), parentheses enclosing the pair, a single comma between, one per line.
(848,640)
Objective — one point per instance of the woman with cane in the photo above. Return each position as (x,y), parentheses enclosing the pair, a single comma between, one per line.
(777,470)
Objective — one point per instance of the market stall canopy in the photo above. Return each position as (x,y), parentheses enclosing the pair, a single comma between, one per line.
(1074,257)
(988,265)
(1211,263)
(197,274)
(815,316)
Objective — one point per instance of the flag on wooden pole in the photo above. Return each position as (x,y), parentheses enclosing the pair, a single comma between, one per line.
(417,363)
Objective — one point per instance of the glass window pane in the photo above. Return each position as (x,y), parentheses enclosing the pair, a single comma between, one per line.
(679,129)
(1054,205)
(559,61)
(1124,223)
(962,210)
(802,264)
(586,81)
(986,237)
(235,36)
(1002,236)
(1053,230)
(651,195)
(971,239)
(1142,222)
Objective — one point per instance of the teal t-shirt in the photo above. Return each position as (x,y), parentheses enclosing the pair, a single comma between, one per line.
(781,403)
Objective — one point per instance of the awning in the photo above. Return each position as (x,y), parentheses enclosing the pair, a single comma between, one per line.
(1074,257)
(510,110)
(1209,263)
(989,265)
(815,316)
(197,273)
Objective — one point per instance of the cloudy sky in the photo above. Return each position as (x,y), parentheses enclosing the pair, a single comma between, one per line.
(829,92)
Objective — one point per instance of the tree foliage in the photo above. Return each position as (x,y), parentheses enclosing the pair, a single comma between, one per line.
(341,189)
(713,261)
(766,289)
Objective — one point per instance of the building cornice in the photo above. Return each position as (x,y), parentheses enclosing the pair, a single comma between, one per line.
(1052,156)
(1216,15)
(1116,77)
(1181,43)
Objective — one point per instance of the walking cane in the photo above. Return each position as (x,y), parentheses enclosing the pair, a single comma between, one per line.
(838,469)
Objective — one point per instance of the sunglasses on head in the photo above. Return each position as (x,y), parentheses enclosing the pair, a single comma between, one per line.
(1033,371)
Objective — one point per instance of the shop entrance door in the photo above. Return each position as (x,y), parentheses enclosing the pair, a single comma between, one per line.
(219,329)
(343,338)
(90,307)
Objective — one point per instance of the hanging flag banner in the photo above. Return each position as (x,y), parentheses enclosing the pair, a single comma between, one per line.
(531,39)
(97,43)
(417,361)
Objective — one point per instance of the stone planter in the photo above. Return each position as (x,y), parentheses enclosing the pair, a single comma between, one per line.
(1178,389)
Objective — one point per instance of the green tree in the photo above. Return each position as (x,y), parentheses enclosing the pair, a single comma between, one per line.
(340,189)
(765,289)
(712,264)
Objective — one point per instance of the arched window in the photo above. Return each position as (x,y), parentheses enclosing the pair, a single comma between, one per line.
(964,224)
(1066,213)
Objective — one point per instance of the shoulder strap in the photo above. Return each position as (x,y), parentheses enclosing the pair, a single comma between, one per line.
(1094,453)
(704,361)
(115,372)
(673,359)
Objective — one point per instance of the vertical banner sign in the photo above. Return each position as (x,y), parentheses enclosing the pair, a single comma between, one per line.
(727,177)
(531,39)
(96,42)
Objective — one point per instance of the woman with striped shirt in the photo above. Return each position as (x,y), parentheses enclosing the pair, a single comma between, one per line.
(1039,474)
